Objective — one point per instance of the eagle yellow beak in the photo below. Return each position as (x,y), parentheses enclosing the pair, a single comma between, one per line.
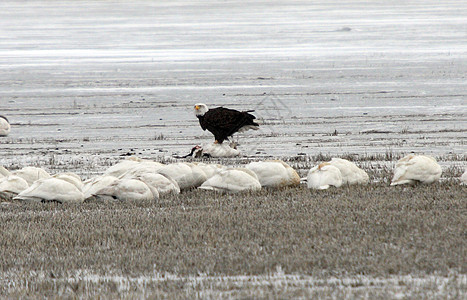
(196,107)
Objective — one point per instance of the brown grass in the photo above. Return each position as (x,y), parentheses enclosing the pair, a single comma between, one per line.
(373,230)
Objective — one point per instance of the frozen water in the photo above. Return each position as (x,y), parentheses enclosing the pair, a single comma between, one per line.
(84,78)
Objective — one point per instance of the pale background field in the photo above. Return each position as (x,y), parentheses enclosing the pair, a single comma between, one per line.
(84,82)
(105,77)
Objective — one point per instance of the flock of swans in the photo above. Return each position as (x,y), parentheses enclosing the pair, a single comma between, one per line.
(135,179)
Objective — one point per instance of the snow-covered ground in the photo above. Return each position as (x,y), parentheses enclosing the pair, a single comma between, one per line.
(86,78)
(277,283)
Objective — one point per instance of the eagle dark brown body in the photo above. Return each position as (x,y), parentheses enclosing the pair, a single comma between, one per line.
(224,122)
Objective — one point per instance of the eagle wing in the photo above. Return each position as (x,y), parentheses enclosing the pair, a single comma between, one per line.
(227,120)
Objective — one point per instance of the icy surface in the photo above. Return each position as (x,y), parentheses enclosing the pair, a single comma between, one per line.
(86,78)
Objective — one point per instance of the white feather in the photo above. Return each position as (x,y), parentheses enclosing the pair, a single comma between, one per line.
(51,189)
(233,181)
(31,174)
(187,175)
(93,185)
(162,183)
(131,166)
(4,172)
(323,176)
(71,178)
(416,168)
(13,184)
(351,174)
(274,173)
(210,169)
(128,190)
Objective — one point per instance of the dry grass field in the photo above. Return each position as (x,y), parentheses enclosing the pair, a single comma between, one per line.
(359,241)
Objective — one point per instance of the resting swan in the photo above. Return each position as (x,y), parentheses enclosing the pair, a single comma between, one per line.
(210,169)
(31,174)
(163,185)
(12,185)
(127,189)
(93,185)
(233,181)
(70,177)
(52,189)
(187,175)
(274,173)
(132,165)
(323,176)
(351,174)
(416,168)
(4,172)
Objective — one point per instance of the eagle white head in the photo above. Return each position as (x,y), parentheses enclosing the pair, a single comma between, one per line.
(200,109)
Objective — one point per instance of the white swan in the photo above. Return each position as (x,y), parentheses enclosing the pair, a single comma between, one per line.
(323,176)
(233,181)
(121,167)
(31,174)
(13,185)
(71,178)
(351,174)
(93,185)
(464,178)
(132,165)
(52,189)
(274,173)
(141,168)
(127,189)
(4,126)
(416,168)
(187,175)
(4,172)
(163,185)
(210,169)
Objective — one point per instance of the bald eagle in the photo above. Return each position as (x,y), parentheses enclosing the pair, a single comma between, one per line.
(224,122)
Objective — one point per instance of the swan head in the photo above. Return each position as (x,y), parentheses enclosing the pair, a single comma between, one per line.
(200,109)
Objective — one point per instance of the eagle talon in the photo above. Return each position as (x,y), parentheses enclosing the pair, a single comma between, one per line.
(216,142)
